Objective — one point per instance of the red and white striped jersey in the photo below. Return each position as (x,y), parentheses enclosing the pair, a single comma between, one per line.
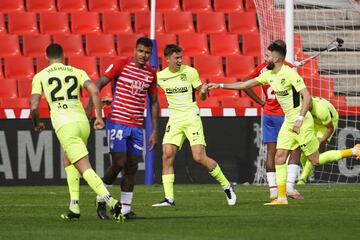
(131,85)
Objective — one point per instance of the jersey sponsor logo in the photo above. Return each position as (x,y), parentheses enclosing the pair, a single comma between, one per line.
(176,90)
(282,93)
(137,87)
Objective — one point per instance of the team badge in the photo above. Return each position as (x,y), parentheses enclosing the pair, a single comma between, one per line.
(282,81)
(183,77)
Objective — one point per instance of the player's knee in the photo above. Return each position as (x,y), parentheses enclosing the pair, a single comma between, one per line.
(131,169)
(199,157)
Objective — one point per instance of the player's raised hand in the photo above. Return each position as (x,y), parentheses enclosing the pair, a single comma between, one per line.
(211,86)
(39,127)
(99,123)
(297,126)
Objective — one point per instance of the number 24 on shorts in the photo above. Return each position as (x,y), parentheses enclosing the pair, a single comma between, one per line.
(113,133)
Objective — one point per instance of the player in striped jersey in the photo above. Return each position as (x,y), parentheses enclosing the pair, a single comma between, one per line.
(132,80)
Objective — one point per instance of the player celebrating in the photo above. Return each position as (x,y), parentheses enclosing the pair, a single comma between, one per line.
(179,81)
(298,128)
(133,78)
(61,85)
(325,124)
(272,119)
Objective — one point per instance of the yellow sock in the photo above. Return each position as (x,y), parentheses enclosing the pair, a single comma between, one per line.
(219,176)
(346,153)
(332,156)
(303,159)
(73,181)
(95,183)
(281,176)
(307,171)
(168,183)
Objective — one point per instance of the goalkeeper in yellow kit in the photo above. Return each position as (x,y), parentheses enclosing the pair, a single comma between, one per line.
(180,83)
(61,86)
(298,127)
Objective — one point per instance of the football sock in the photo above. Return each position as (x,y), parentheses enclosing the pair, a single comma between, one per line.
(168,183)
(74,206)
(98,186)
(99,198)
(333,156)
(219,176)
(303,159)
(292,173)
(281,180)
(73,181)
(307,170)
(126,201)
(271,178)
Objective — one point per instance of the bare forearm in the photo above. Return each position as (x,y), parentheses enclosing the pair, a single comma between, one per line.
(97,102)
(35,116)
(154,115)
(306,103)
(254,97)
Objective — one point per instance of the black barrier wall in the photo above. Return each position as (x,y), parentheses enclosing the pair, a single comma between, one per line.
(27,158)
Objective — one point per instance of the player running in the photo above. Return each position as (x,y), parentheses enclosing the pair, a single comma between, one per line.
(179,83)
(61,85)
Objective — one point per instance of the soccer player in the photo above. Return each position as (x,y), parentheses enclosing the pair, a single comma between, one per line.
(180,83)
(61,85)
(272,119)
(132,79)
(298,127)
(325,124)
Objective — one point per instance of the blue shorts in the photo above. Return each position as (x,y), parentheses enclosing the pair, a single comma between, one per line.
(123,138)
(270,128)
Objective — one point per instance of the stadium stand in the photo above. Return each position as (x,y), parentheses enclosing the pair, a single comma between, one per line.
(71,5)
(35,45)
(178,22)
(236,70)
(116,23)
(126,43)
(224,44)
(39,6)
(167,6)
(228,6)
(211,22)
(196,5)
(208,66)
(12,70)
(85,22)
(22,23)
(86,63)
(134,6)
(194,44)
(103,6)
(7,6)
(142,23)
(8,88)
(54,23)
(106,48)
(246,25)
(9,45)
(71,43)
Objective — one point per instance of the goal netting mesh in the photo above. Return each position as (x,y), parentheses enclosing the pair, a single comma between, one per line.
(333,75)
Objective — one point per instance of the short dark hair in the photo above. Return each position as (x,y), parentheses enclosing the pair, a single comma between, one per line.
(278,46)
(145,42)
(172,48)
(54,51)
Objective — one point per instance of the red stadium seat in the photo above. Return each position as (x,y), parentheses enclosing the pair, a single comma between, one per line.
(9,45)
(210,22)
(228,6)
(72,44)
(8,88)
(251,44)
(106,48)
(242,22)
(106,61)
(126,44)
(220,93)
(22,23)
(208,66)
(194,44)
(40,6)
(71,5)
(178,22)
(231,102)
(142,23)
(35,45)
(7,6)
(116,22)
(134,5)
(224,44)
(239,66)
(103,6)
(88,64)
(19,67)
(209,102)
(54,23)
(163,39)
(2,24)
(196,5)
(15,103)
(250,6)
(24,88)
(167,6)
(41,63)
(222,80)
(185,60)
(85,22)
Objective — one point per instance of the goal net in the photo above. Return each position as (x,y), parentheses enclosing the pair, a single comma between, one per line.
(334,75)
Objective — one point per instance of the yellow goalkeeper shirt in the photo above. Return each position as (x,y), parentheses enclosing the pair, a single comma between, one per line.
(61,86)
(179,88)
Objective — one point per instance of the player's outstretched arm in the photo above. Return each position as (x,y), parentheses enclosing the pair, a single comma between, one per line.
(94,92)
(154,119)
(234,86)
(34,106)
(99,84)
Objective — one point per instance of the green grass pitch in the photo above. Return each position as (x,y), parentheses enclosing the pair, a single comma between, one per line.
(201,212)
